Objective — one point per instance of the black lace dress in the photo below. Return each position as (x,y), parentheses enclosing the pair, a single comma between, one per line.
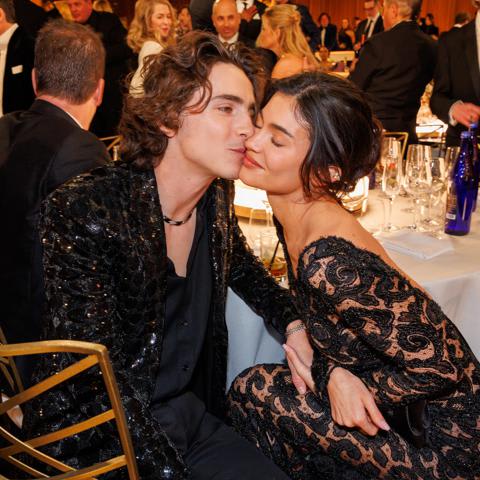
(363,315)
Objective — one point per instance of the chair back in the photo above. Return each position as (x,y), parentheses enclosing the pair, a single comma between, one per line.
(90,355)
(112,144)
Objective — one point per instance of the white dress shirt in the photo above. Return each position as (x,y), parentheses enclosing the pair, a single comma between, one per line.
(230,41)
(4,40)
(371,25)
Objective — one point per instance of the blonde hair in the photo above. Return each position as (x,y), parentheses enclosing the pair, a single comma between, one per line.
(140,31)
(286,18)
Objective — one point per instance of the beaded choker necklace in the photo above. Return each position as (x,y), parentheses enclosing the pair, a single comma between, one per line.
(177,223)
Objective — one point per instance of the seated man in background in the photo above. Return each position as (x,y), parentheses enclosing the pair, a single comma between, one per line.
(139,256)
(395,66)
(117,64)
(40,149)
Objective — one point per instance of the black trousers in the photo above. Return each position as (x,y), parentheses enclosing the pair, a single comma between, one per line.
(211,449)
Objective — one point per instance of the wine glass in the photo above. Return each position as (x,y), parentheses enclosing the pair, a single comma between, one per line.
(437,176)
(417,179)
(391,178)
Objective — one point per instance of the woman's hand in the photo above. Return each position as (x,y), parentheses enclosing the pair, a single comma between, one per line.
(299,355)
(352,404)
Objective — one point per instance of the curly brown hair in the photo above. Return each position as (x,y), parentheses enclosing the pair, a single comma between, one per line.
(171,80)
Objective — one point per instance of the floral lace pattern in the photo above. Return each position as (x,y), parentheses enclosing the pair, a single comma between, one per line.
(363,315)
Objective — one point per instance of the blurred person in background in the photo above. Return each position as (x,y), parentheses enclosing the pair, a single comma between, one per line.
(346,36)
(16,62)
(251,12)
(456,92)
(151,30)
(282,34)
(113,35)
(226,20)
(371,25)
(395,66)
(430,28)
(324,65)
(184,22)
(461,19)
(40,149)
(308,26)
(328,32)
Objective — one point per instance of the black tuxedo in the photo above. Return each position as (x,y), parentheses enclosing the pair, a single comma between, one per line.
(330,40)
(393,69)
(362,28)
(119,54)
(457,76)
(17,80)
(40,149)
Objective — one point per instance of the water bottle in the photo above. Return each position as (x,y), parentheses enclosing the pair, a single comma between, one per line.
(461,192)
(475,159)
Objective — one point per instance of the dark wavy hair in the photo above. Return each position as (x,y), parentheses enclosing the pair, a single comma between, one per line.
(342,129)
(171,79)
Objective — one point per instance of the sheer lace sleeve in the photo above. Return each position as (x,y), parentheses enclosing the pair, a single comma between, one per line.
(369,319)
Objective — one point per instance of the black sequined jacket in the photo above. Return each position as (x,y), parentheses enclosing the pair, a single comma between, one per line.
(105,271)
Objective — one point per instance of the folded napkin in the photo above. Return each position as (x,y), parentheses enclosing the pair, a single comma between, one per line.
(415,244)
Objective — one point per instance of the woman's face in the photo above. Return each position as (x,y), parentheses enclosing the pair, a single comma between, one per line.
(268,37)
(344,23)
(277,149)
(161,20)
(185,19)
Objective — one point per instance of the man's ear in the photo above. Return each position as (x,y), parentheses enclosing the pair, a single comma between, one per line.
(34,81)
(168,132)
(98,94)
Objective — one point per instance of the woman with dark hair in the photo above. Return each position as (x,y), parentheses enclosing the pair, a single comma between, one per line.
(365,317)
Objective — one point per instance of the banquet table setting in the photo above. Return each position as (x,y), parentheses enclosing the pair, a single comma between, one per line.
(447,266)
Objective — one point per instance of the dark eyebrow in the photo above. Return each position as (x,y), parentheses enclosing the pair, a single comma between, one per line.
(281,129)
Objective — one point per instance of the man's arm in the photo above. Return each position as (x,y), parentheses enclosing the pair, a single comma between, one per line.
(449,109)
(251,281)
(79,258)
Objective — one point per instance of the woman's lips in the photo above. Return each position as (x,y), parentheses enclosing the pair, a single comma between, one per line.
(250,162)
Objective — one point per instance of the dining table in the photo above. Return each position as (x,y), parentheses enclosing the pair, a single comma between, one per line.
(448,268)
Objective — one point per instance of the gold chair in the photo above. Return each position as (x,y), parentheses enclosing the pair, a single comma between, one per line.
(93,354)
(112,145)
(402,137)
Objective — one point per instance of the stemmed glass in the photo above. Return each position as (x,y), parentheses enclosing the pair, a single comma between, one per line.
(391,177)
(417,179)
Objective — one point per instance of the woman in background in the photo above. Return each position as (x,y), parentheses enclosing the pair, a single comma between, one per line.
(151,30)
(315,138)
(346,36)
(281,33)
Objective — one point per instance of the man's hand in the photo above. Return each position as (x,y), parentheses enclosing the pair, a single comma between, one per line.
(465,113)
(248,13)
(352,404)
(299,355)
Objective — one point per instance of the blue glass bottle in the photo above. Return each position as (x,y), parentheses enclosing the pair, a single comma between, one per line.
(461,190)
(475,159)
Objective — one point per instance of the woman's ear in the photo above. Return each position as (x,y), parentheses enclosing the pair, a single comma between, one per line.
(335,173)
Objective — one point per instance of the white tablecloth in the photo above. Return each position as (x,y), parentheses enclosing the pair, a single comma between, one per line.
(452,279)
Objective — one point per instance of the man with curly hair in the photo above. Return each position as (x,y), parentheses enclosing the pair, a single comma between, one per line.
(139,256)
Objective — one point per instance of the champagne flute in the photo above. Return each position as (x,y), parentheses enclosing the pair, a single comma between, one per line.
(391,178)
(417,179)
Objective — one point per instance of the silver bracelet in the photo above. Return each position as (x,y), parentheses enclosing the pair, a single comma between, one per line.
(298,328)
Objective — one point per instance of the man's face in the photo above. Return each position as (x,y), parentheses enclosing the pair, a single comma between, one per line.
(80,10)
(212,142)
(226,19)
(371,8)
(324,21)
